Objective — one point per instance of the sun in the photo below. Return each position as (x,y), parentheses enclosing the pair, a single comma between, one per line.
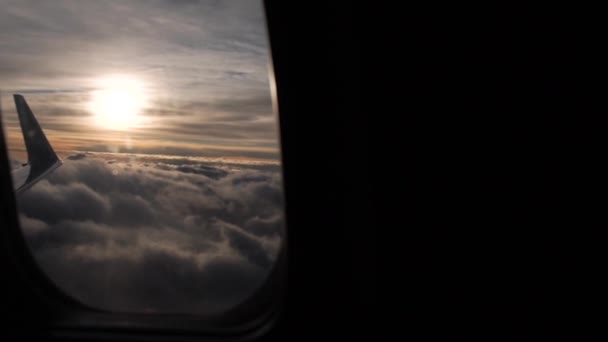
(117,102)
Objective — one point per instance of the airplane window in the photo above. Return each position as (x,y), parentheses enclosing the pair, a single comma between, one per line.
(145,149)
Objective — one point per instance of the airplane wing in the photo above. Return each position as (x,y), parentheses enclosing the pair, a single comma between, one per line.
(42,159)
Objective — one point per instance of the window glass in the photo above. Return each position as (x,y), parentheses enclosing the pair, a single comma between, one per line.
(169,197)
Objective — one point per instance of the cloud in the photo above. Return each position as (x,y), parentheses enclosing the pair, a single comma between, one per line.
(15,164)
(145,234)
(77,156)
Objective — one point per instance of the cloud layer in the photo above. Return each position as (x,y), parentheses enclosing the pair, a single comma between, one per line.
(146,234)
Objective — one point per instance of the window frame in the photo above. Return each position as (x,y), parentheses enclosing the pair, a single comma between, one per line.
(59,315)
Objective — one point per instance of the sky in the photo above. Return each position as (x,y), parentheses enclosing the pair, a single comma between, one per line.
(203,67)
(170,201)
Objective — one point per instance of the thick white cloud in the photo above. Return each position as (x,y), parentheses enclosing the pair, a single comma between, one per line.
(163,235)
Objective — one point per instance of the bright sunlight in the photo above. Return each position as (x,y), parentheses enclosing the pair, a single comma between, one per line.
(117,102)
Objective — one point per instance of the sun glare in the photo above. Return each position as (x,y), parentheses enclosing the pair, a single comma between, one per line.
(117,102)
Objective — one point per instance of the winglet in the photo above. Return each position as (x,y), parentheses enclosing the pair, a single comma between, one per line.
(42,159)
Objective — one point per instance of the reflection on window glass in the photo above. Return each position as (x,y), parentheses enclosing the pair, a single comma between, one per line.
(169,197)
